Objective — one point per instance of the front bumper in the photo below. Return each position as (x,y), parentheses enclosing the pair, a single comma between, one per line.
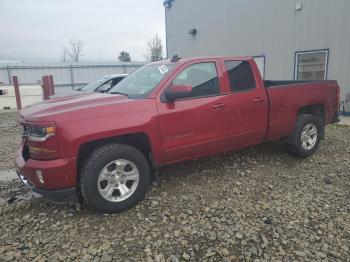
(58,196)
(67,195)
(59,177)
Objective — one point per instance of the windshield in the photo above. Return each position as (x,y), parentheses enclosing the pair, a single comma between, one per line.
(141,82)
(93,85)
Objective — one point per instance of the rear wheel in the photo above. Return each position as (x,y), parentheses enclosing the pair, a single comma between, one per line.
(306,136)
(115,177)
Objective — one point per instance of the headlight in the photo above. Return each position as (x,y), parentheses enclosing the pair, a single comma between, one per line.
(38,133)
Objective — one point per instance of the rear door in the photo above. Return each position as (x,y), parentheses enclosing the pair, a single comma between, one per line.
(248,103)
(199,124)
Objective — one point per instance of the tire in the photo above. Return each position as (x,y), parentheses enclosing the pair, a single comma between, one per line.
(303,142)
(115,177)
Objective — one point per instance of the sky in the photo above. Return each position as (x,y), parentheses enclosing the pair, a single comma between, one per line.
(38,30)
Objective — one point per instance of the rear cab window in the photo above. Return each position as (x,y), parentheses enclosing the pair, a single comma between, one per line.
(240,74)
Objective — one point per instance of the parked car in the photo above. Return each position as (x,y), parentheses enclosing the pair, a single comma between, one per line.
(106,147)
(102,85)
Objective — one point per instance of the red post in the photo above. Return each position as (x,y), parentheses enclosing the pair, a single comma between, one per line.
(43,85)
(51,85)
(48,86)
(18,95)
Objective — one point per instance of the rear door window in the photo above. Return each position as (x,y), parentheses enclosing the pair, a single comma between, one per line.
(240,75)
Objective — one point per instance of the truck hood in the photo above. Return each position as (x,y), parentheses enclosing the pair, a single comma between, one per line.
(48,109)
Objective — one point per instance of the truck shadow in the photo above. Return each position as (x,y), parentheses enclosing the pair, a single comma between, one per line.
(240,159)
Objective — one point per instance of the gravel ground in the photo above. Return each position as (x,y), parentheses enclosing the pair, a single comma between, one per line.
(257,204)
(9,138)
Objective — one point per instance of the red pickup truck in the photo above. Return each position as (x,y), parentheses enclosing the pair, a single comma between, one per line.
(104,149)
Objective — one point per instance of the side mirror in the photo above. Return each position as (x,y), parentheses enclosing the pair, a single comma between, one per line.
(177,92)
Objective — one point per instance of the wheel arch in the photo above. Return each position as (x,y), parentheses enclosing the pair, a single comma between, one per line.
(140,141)
(316,110)
(313,109)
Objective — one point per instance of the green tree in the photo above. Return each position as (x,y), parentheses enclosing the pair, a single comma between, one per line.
(124,56)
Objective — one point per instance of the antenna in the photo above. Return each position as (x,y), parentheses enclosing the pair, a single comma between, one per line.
(175,58)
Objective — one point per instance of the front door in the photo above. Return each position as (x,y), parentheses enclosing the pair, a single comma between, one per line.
(198,124)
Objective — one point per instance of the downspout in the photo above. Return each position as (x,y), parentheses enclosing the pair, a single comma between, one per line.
(167,5)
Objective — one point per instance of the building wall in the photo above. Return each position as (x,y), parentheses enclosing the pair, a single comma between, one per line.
(272,28)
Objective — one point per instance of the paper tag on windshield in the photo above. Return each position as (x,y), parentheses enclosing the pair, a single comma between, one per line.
(163,69)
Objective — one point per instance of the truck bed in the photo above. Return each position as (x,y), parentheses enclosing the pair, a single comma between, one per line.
(287,97)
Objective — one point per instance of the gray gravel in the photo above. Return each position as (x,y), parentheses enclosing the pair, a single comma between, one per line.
(10,135)
(257,204)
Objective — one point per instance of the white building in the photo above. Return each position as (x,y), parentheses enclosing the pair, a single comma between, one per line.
(294,39)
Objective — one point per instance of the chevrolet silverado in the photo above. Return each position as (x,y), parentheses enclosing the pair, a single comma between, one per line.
(104,148)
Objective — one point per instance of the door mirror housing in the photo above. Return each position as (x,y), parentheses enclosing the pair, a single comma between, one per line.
(176,92)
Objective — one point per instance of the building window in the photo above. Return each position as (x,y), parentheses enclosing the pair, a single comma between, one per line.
(311,65)
(240,75)
(260,62)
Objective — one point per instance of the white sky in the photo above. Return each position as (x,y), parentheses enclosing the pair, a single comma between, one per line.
(37,30)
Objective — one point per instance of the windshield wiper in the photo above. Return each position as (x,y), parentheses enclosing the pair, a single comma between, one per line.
(119,93)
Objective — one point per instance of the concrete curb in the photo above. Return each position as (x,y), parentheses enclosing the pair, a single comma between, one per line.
(344,120)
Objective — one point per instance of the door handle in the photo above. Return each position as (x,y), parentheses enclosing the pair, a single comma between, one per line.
(219,106)
(258,100)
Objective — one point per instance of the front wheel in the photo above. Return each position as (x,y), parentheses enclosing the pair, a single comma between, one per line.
(115,177)
(306,136)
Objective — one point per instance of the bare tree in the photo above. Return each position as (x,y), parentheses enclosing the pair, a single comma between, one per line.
(155,49)
(64,55)
(124,56)
(75,50)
